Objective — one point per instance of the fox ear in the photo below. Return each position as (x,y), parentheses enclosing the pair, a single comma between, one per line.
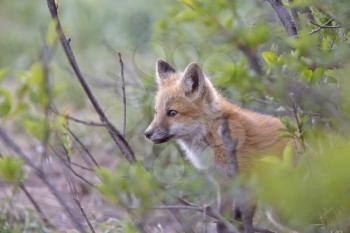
(163,71)
(193,80)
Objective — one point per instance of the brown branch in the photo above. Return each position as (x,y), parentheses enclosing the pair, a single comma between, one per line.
(76,199)
(123,91)
(36,206)
(284,16)
(252,57)
(295,15)
(75,137)
(120,141)
(84,215)
(230,145)
(67,161)
(323,26)
(74,119)
(208,210)
(8,142)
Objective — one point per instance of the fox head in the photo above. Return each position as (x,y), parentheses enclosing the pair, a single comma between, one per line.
(183,103)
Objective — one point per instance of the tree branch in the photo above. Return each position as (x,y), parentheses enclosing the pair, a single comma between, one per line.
(230,145)
(74,119)
(123,91)
(285,17)
(114,133)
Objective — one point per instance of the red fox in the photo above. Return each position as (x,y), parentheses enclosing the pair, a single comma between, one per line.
(190,110)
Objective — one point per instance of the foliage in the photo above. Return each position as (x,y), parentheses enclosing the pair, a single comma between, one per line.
(312,192)
(249,57)
(11,169)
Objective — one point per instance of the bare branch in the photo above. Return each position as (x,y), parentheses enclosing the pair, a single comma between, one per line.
(66,162)
(84,215)
(253,58)
(295,15)
(230,145)
(74,119)
(75,137)
(76,199)
(36,206)
(323,26)
(120,141)
(123,91)
(284,16)
(8,142)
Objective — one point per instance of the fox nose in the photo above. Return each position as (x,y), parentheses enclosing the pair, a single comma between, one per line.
(148,133)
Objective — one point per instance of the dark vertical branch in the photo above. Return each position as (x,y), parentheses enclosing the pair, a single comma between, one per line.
(309,15)
(123,91)
(253,58)
(8,142)
(299,123)
(46,56)
(76,199)
(36,206)
(295,15)
(284,16)
(230,145)
(114,133)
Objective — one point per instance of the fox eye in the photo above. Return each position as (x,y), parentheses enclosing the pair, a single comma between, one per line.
(171,113)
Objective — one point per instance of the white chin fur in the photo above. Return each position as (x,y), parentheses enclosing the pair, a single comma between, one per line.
(192,156)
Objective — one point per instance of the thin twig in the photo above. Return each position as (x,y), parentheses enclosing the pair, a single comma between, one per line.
(84,215)
(8,142)
(208,210)
(46,57)
(120,141)
(74,119)
(284,16)
(323,26)
(35,204)
(300,127)
(76,199)
(76,138)
(205,219)
(66,162)
(123,91)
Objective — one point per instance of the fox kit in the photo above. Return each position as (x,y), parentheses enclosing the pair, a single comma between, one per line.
(189,110)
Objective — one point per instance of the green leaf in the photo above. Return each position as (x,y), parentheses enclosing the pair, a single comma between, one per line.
(288,156)
(308,74)
(5,102)
(189,3)
(269,57)
(11,169)
(36,127)
(3,73)
(186,15)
